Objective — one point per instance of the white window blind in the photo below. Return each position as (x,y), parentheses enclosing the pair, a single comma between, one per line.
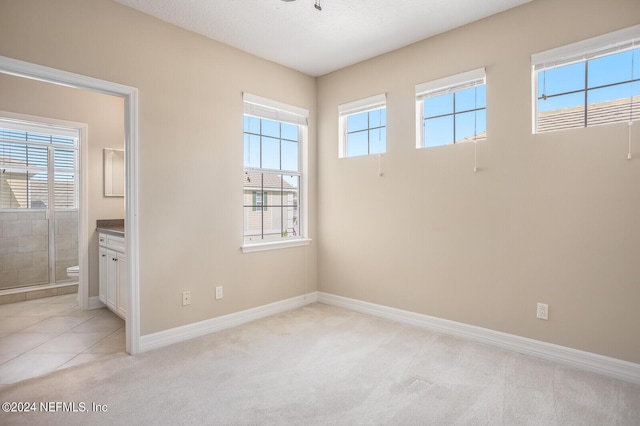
(363,105)
(38,166)
(606,44)
(454,83)
(257,106)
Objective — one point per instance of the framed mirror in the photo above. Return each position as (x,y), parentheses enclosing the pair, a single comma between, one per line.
(113,172)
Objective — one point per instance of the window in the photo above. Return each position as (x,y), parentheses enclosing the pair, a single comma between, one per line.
(274,176)
(451,110)
(589,83)
(363,127)
(38,166)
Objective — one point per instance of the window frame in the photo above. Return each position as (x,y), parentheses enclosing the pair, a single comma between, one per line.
(267,109)
(369,104)
(443,86)
(581,51)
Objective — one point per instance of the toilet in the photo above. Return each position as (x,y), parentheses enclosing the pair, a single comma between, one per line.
(73,271)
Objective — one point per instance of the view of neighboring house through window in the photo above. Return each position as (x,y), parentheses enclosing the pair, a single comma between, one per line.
(273,141)
(588,83)
(451,110)
(363,127)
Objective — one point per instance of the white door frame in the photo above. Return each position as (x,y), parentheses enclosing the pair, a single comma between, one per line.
(130,94)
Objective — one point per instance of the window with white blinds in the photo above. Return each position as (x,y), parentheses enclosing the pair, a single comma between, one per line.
(588,83)
(451,110)
(38,166)
(363,127)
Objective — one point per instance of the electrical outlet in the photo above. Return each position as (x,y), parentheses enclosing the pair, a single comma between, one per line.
(219,292)
(186,298)
(543,311)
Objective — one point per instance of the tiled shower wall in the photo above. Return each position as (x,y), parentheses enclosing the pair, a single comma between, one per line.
(24,246)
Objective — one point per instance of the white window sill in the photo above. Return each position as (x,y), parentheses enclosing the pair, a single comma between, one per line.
(275,245)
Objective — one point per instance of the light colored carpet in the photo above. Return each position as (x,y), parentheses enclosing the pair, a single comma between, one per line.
(321,365)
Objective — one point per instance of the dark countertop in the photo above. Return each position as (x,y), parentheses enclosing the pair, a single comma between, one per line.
(111,226)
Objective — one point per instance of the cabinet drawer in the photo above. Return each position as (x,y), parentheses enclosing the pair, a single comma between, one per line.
(116,243)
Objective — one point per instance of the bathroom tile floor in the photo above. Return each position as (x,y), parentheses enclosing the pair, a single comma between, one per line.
(42,335)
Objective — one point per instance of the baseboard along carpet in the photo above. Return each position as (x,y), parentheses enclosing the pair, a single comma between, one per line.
(319,365)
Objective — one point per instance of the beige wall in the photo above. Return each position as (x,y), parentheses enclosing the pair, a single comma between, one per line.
(549,218)
(104,116)
(190,149)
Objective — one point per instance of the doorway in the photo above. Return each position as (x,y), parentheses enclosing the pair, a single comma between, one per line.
(130,96)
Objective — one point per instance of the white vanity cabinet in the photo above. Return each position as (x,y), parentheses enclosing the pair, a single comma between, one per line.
(113,273)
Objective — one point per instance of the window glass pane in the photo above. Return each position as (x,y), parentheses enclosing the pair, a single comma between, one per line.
(64,190)
(377,117)
(271,224)
(610,69)
(558,103)
(251,150)
(481,124)
(64,159)
(470,99)
(439,105)
(251,124)
(357,144)
(378,140)
(438,131)
(465,127)
(561,79)
(270,153)
(252,223)
(357,122)
(289,131)
(37,156)
(610,104)
(271,128)
(290,155)
(553,115)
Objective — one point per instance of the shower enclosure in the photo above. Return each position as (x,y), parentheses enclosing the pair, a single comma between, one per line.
(38,204)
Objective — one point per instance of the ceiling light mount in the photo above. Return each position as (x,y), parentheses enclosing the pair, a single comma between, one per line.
(316,4)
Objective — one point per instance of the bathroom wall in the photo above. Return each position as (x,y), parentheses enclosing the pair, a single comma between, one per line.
(104,116)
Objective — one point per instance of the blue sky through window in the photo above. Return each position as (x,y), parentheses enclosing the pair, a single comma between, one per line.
(603,71)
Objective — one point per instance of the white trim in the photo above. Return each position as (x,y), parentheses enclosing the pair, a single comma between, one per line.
(603,44)
(610,367)
(202,328)
(450,83)
(274,245)
(130,94)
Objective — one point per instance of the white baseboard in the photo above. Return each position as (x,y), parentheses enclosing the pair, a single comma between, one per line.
(611,367)
(95,303)
(190,331)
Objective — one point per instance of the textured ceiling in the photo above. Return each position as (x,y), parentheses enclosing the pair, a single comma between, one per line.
(314,42)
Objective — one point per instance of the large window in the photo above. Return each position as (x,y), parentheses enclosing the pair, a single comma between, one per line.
(451,110)
(363,127)
(38,166)
(274,145)
(589,83)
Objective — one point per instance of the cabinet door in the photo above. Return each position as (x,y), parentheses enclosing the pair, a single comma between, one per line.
(102,279)
(122,285)
(112,276)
